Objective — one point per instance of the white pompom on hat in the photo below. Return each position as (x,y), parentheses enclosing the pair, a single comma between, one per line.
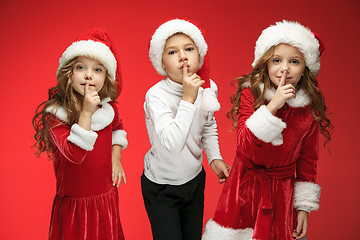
(94,43)
(296,35)
(156,49)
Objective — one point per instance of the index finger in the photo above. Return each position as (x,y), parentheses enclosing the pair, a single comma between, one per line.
(185,70)
(86,89)
(282,80)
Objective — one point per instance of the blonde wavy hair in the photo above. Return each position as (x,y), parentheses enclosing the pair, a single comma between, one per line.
(260,75)
(63,94)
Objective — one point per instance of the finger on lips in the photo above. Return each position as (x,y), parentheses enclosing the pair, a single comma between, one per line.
(185,70)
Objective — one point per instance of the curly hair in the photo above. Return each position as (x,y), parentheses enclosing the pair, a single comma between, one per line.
(260,75)
(63,94)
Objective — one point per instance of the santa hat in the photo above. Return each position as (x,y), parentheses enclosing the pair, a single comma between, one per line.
(296,35)
(95,43)
(156,48)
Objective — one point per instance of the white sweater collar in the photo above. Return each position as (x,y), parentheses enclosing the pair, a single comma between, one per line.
(174,85)
(99,120)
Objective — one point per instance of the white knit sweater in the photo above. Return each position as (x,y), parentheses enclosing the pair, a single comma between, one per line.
(178,133)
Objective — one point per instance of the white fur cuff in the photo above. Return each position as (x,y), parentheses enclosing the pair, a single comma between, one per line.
(82,138)
(266,126)
(119,138)
(214,231)
(306,195)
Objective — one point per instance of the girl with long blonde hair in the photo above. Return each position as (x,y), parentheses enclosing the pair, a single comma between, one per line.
(80,129)
(278,111)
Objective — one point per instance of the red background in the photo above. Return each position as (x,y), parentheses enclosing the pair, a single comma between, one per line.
(34,35)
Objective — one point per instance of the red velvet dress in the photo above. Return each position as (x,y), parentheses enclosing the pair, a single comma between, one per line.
(86,205)
(274,153)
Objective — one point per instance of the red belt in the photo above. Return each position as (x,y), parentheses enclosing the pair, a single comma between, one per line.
(265,175)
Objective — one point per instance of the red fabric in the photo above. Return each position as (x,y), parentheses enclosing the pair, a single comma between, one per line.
(86,203)
(204,72)
(259,191)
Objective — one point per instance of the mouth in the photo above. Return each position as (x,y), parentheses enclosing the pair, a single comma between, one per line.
(287,78)
(90,85)
(188,68)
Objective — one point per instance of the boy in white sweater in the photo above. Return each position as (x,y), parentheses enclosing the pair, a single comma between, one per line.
(180,122)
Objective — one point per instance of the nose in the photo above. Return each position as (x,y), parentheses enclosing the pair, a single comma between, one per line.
(88,74)
(285,67)
(183,56)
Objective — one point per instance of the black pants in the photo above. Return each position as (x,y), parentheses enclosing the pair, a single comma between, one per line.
(175,211)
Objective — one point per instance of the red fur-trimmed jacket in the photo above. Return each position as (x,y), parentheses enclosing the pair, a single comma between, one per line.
(273,173)
(82,159)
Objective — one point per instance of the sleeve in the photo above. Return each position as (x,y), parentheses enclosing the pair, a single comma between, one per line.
(171,130)
(306,191)
(73,143)
(256,127)
(118,134)
(210,139)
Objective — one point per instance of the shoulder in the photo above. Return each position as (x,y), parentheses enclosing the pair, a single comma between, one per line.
(247,93)
(156,91)
(57,111)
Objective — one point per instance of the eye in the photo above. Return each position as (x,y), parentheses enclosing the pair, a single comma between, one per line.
(295,61)
(189,49)
(98,70)
(79,67)
(276,60)
(171,52)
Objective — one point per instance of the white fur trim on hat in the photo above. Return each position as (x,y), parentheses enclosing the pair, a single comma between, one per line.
(93,49)
(266,127)
(213,231)
(168,29)
(294,34)
(307,196)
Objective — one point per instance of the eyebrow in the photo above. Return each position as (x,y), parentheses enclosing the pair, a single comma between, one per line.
(96,64)
(186,45)
(296,56)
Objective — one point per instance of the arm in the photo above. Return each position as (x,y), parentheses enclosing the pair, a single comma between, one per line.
(263,123)
(256,127)
(117,169)
(73,143)
(119,142)
(171,130)
(211,147)
(306,192)
(174,130)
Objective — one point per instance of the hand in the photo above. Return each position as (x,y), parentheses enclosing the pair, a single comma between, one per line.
(221,169)
(302,225)
(117,169)
(117,172)
(91,100)
(90,104)
(190,84)
(283,93)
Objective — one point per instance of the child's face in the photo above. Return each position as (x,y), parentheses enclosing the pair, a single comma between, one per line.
(88,69)
(178,49)
(286,58)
